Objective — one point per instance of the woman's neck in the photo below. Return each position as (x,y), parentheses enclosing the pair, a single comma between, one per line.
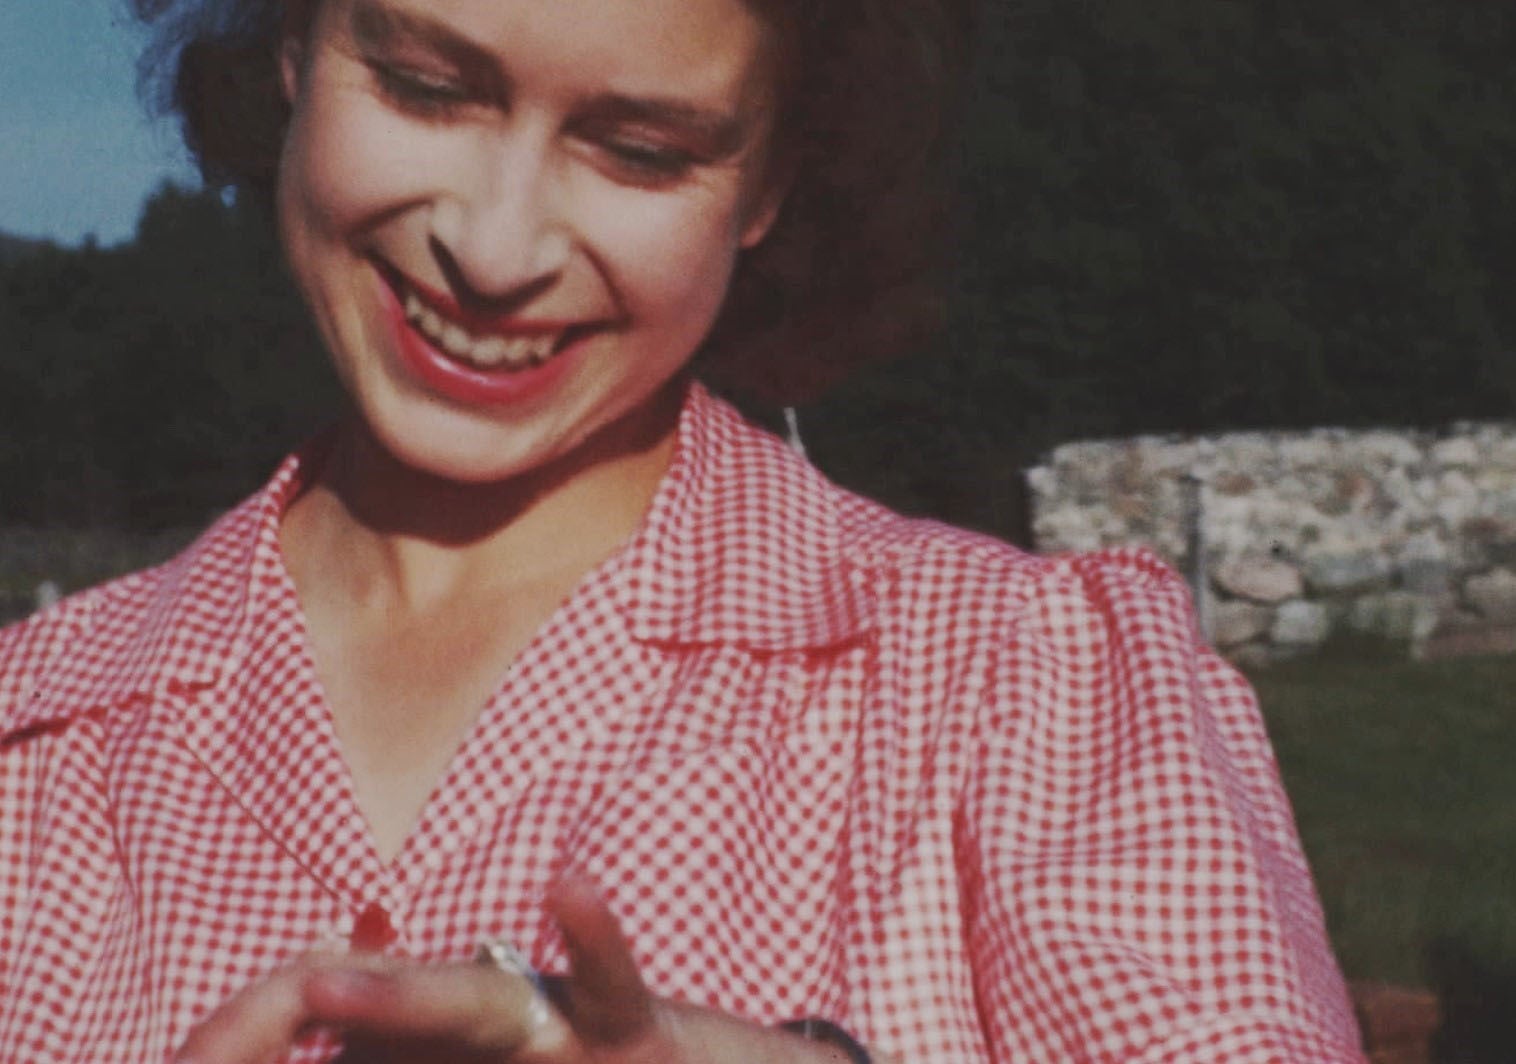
(378,532)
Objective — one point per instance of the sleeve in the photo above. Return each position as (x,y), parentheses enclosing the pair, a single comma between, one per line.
(1135,888)
(20,785)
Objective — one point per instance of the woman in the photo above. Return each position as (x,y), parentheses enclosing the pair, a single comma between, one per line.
(544,650)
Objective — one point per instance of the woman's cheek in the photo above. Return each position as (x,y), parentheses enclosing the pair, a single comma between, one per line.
(669,248)
(363,162)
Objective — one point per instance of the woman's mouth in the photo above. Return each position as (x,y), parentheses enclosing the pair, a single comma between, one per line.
(482,352)
(475,358)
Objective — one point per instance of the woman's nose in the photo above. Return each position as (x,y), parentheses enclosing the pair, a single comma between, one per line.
(500,224)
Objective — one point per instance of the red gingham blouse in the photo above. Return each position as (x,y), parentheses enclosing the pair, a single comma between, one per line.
(822,760)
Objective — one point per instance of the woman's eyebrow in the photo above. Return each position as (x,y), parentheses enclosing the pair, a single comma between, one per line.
(376,25)
(719,132)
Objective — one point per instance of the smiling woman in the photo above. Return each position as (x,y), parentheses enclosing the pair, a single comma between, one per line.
(862,97)
(423,158)
(543,655)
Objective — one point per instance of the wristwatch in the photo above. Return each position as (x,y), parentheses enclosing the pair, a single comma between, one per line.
(815,1029)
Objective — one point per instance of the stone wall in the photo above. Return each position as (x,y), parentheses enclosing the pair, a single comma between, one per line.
(1403,534)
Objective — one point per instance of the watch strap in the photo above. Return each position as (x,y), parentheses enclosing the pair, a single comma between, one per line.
(815,1029)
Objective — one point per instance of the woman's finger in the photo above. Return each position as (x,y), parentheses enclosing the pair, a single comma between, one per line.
(469,1007)
(604,998)
(256,1025)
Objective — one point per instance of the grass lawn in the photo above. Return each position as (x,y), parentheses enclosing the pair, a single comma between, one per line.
(1403,776)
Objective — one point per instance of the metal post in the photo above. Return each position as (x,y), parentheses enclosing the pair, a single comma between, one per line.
(792,431)
(48,595)
(1196,550)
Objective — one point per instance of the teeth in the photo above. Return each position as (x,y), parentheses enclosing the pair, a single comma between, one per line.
(491,352)
(455,341)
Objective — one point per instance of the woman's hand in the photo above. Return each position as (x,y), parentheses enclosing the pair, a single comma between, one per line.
(400,1011)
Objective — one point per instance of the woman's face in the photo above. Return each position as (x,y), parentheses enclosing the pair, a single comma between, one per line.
(515,220)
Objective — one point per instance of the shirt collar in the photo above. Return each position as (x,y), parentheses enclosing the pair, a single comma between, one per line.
(191,626)
(743,545)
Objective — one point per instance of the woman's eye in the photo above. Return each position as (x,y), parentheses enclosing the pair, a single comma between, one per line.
(420,94)
(649,164)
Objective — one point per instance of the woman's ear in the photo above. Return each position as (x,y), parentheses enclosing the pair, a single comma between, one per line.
(763,211)
(293,35)
(761,219)
(291,60)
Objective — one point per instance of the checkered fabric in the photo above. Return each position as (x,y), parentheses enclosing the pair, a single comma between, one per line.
(822,760)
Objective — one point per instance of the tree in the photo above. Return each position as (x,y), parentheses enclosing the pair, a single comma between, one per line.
(157,382)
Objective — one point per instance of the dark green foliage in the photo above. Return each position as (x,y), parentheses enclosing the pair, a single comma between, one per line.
(151,385)
(1200,215)
(15,248)
(1260,213)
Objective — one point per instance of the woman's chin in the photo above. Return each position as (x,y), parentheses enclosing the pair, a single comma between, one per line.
(420,441)
(404,439)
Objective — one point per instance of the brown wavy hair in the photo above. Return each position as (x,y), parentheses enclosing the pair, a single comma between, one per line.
(848,273)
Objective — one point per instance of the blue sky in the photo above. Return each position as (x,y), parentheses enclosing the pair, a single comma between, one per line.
(80,153)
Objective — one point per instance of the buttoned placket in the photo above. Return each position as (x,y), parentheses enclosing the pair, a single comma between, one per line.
(269,736)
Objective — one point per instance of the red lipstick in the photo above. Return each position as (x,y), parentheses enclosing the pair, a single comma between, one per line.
(476,322)
(457,381)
